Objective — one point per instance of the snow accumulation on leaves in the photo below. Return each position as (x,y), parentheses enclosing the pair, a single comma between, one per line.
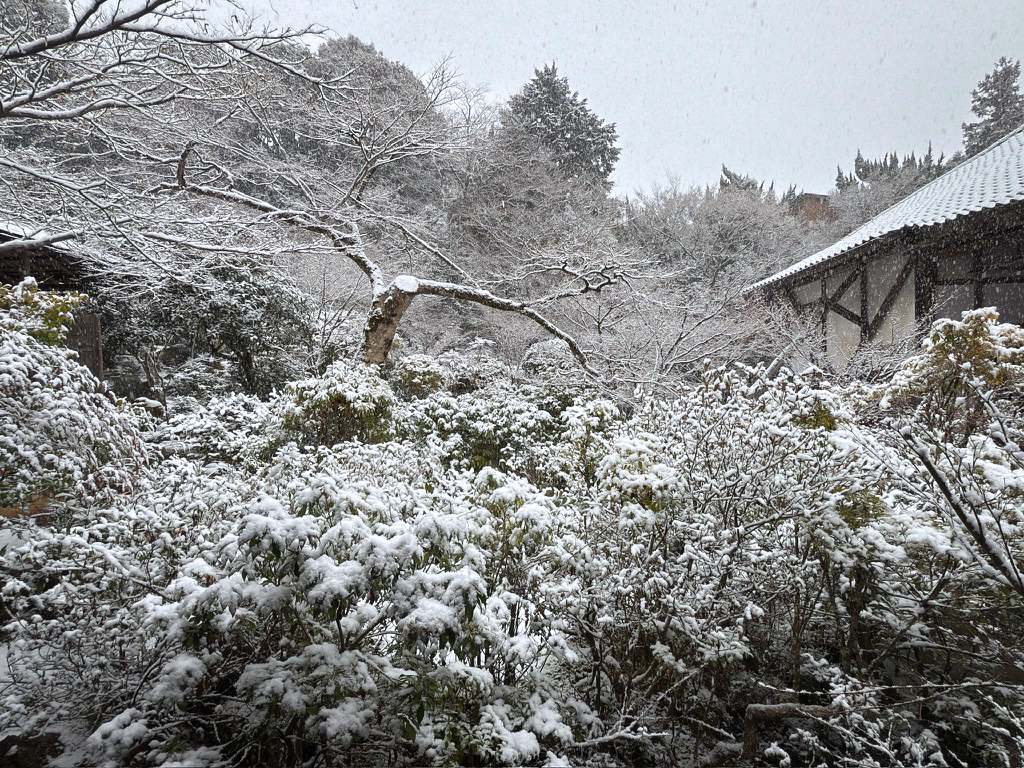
(61,434)
(485,577)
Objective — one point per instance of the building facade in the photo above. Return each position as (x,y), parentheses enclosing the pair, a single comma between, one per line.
(955,244)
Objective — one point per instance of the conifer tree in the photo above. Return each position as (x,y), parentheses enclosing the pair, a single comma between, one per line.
(582,143)
(998,105)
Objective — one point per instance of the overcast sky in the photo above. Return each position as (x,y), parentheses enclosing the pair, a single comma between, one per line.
(783,90)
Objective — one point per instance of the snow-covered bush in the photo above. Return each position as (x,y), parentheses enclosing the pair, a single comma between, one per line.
(497,427)
(45,315)
(350,401)
(61,433)
(197,378)
(959,358)
(548,357)
(331,606)
(471,370)
(419,375)
(699,518)
(765,566)
(232,428)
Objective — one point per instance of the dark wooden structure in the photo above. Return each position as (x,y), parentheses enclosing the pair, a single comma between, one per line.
(56,269)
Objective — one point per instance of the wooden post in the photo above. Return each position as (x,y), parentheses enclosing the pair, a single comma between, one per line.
(86,339)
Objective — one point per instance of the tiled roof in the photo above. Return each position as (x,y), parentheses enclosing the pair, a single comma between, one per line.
(991,178)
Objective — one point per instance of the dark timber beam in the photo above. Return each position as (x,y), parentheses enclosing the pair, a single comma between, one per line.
(863,299)
(924,285)
(845,286)
(844,313)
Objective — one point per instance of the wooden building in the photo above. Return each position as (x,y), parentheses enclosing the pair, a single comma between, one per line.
(955,244)
(55,268)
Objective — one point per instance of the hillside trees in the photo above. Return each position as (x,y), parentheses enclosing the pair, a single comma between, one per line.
(708,243)
(726,234)
(876,184)
(240,147)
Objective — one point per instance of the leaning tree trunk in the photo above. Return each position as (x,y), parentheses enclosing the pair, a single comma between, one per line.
(385,315)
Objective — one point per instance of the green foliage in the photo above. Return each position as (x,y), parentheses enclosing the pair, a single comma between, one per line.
(247,316)
(45,315)
(61,434)
(489,429)
(960,360)
(860,507)
(818,416)
(419,376)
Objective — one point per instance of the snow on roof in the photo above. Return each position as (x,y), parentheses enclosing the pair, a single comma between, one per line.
(989,179)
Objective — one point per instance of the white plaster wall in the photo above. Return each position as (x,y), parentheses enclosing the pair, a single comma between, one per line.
(899,323)
(851,299)
(952,300)
(882,274)
(835,279)
(841,336)
(841,340)
(954,267)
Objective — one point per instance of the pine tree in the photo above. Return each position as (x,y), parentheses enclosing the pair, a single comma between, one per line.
(998,104)
(582,143)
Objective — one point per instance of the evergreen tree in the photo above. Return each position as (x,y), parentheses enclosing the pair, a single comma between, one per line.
(582,143)
(998,104)
(845,181)
(737,182)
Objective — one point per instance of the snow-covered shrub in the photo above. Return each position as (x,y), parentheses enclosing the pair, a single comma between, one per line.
(496,427)
(699,518)
(419,375)
(552,377)
(952,416)
(77,652)
(245,313)
(497,580)
(331,607)
(548,357)
(197,378)
(232,428)
(350,401)
(468,371)
(940,386)
(61,433)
